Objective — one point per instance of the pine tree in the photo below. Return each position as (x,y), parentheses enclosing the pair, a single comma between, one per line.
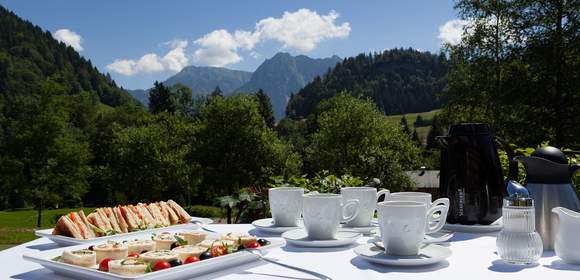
(435,130)
(405,126)
(217,92)
(415,138)
(265,107)
(419,121)
(161,99)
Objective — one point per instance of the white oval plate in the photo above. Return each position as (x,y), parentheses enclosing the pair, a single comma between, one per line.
(70,241)
(202,268)
(267,225)
(299,237)
(430,254)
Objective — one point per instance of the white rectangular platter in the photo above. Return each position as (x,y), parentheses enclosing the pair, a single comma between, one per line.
(185,271)
(70,241)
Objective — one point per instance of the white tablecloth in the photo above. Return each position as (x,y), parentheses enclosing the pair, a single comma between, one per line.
(473,258)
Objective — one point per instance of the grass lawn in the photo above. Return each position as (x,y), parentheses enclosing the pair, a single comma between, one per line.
(421,131)
(427,116)
(17,227)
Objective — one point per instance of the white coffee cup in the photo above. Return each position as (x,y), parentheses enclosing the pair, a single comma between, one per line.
(404,225)
(323,212)
(286,205)
(367,197)
(417,197)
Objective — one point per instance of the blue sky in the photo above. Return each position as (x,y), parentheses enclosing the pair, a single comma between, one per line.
(142,41)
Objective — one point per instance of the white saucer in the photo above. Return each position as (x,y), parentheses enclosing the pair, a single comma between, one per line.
(267,225)
(202,220)
(496,226)
(364,230)
(299,237)
(430,254)
(438,237)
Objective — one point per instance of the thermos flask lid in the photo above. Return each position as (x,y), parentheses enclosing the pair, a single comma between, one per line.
(466,129)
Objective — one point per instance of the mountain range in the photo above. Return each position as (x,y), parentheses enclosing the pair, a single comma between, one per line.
(284,74)
(278,77)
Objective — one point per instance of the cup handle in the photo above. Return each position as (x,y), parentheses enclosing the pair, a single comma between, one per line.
(385,192)
(350,202)
(443,202)
(438,222)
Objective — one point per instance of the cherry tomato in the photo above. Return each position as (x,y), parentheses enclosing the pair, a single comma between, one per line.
(160,265)
(254,244)
(191,259)
(104,265)
(219,250)
(133,255)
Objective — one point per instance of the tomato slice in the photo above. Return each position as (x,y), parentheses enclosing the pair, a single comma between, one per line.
(218,251)
(104,265)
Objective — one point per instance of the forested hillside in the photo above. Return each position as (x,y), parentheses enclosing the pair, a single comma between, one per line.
(29,55)
(399,81)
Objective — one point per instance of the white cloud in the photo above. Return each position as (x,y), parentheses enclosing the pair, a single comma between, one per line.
(70,38)
(219,48)
(173,61)
(173,44)
(301,30)
(125,67)
(452,31)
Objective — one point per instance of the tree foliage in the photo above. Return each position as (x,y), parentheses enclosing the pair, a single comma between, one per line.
(44,153)
(265,107)
(161,99)
(354,137)
(518,68)
(236,148)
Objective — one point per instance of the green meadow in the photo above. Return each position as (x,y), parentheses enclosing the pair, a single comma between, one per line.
(17,227)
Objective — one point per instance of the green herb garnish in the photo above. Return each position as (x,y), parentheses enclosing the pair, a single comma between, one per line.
(56,259)
(180,240)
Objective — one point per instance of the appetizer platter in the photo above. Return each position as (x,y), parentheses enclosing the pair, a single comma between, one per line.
(178,254)
(122,221)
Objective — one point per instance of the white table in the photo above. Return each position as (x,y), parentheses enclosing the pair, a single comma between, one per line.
(473,258)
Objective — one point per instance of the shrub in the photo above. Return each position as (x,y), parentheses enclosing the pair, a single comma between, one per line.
(204,211)
(322,182)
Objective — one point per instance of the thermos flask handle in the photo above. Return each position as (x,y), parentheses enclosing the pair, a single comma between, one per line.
(513,165)
(574,168)
(442,140)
